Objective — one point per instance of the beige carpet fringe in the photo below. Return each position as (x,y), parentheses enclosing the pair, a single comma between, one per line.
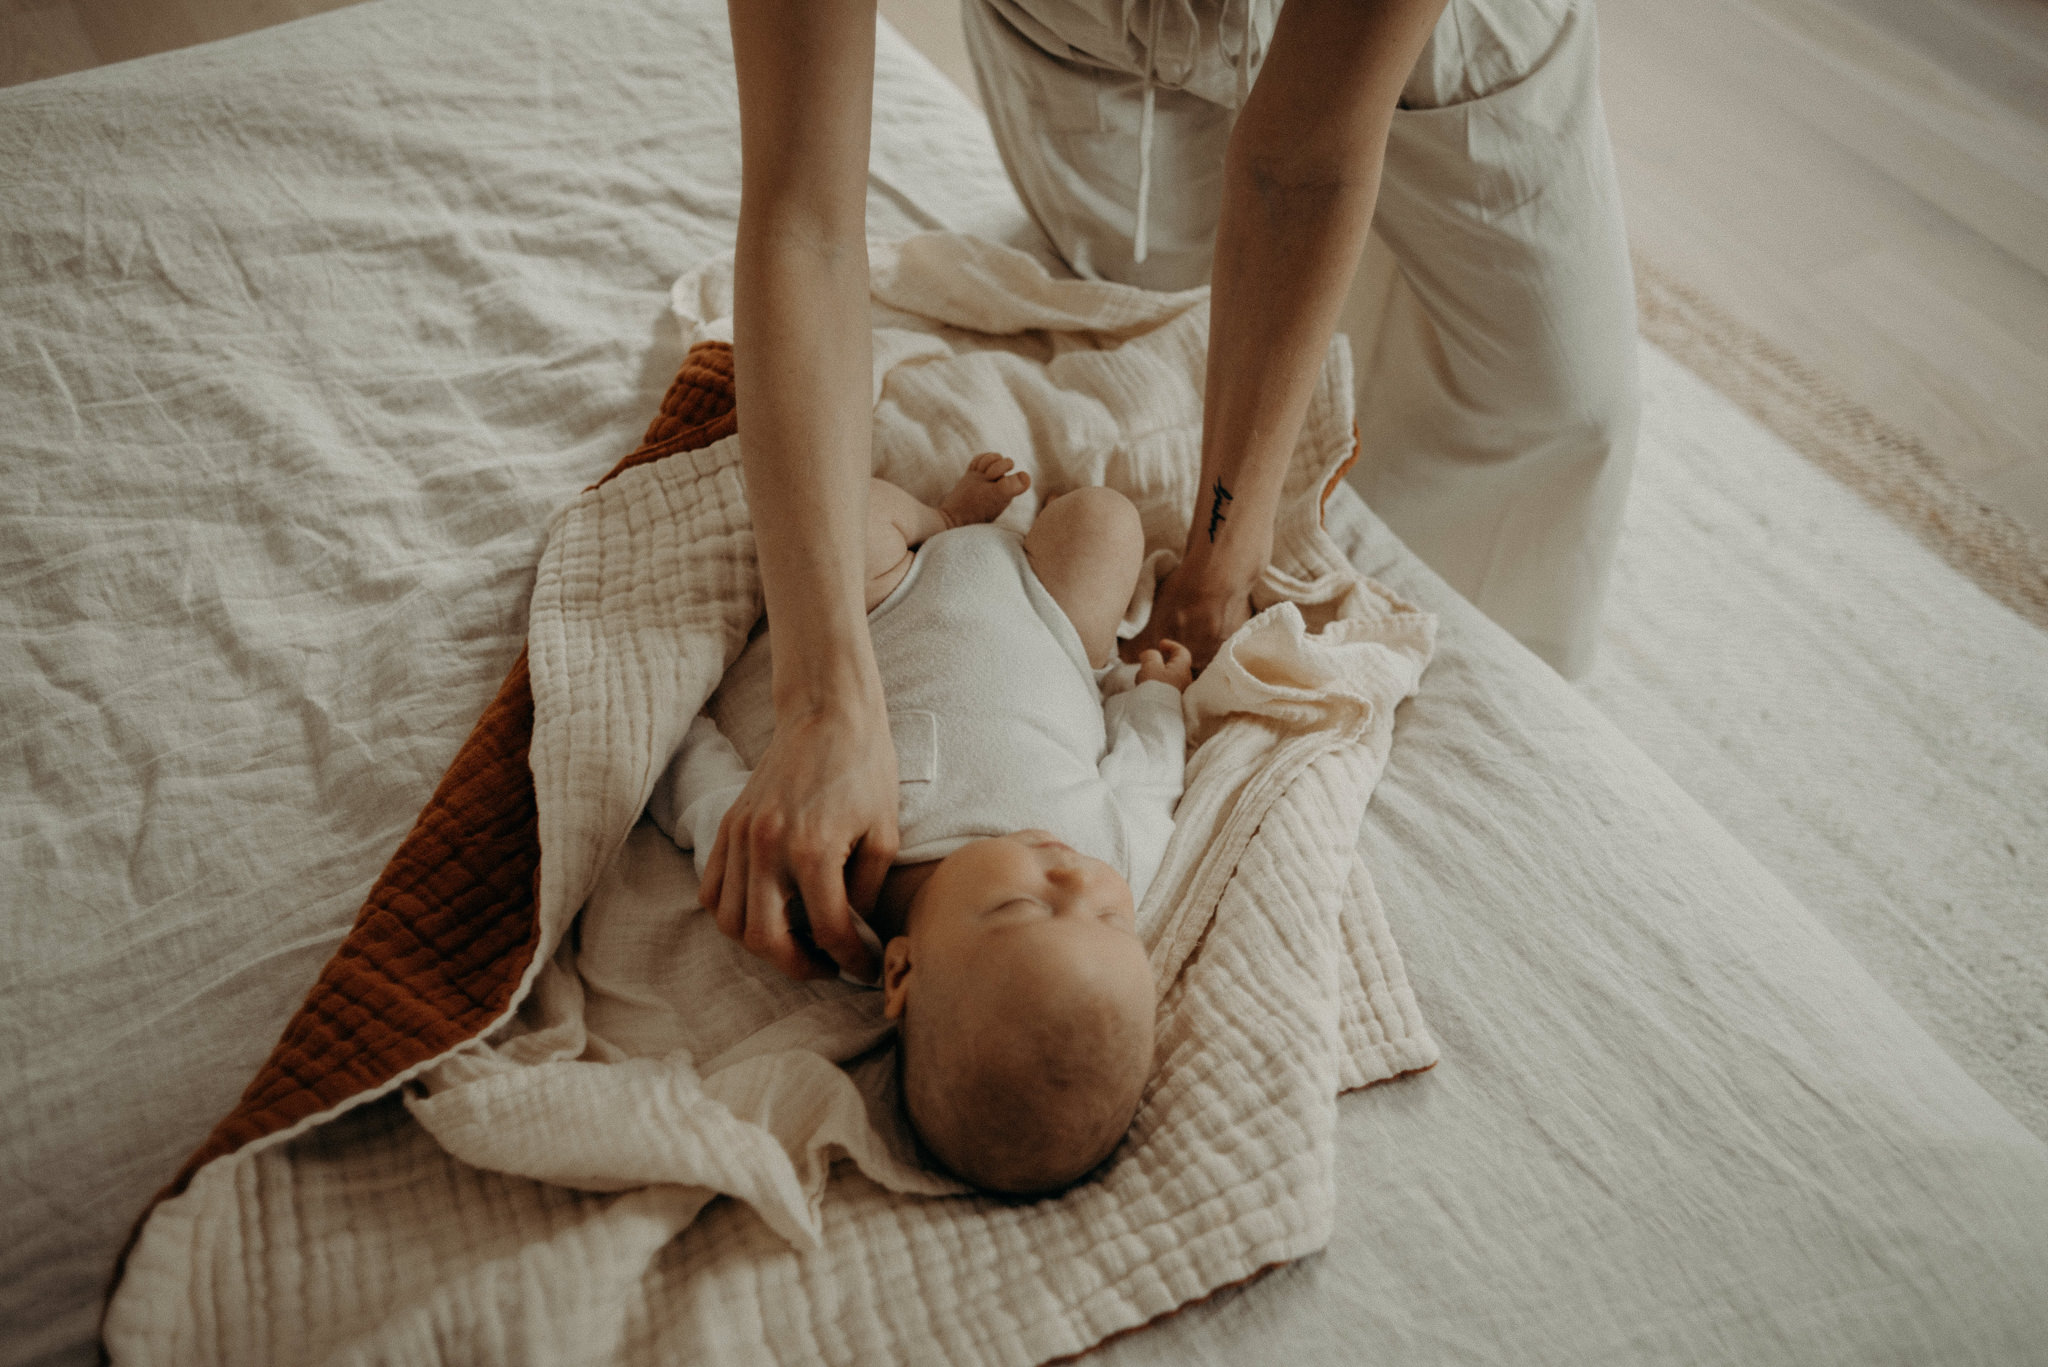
(1889,468)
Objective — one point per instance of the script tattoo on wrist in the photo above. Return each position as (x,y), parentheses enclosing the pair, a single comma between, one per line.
(1216,515)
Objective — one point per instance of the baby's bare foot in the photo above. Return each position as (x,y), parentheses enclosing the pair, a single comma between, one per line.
(984,491)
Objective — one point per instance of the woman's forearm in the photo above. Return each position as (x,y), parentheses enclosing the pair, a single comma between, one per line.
(1300,180)
(801,337)
(1284,258)
(801,345)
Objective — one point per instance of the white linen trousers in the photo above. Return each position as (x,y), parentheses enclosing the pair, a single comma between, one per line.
(1492,320)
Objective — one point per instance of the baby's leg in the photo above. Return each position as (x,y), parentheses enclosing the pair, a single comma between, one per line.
(897,523)
(1086,548)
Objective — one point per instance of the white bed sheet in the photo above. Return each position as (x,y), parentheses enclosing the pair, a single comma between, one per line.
(303,337)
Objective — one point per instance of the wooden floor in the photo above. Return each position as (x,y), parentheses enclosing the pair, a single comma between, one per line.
(1865,182)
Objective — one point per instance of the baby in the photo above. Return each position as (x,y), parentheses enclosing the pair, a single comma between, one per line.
(1033,816)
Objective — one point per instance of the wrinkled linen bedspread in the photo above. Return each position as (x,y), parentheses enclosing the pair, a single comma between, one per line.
(605,1087)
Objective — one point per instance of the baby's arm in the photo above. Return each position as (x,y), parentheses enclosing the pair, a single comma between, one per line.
(692,795)
(1148,742)
(1145,767)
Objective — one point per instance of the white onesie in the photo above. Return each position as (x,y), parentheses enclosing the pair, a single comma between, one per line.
(999,721)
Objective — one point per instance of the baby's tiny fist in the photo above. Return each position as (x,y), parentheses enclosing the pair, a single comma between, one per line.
(1175,666)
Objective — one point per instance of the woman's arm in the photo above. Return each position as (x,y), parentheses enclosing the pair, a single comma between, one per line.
(1300,178)
(818,817)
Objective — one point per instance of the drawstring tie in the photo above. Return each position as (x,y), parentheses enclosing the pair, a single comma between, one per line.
(1244,54)
(1139,242)
(1141,239)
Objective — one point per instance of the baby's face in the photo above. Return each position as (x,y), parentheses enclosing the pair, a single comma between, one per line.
(1022,893)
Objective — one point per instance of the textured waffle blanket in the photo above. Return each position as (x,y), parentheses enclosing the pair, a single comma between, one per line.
(502,1125)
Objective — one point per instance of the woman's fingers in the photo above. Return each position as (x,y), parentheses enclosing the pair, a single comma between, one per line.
(1200,615)
(732,890)
(767,932)
(820,808)
(714,867)
(823,884)
(872,858)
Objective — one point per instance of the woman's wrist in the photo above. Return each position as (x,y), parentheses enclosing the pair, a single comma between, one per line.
(854,702)
(1224,569)
(826,681)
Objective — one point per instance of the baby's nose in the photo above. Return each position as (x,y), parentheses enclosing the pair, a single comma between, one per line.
(1065,865)
(1074,886)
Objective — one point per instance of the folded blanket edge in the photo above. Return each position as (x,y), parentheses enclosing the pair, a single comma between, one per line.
(280,1102)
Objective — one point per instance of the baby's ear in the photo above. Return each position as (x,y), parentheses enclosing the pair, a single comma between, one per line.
(895,976)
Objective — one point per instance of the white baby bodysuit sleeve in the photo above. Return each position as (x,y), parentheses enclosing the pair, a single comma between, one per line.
(697,789)
(1146,768)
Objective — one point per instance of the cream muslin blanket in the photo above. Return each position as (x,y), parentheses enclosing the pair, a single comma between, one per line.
(549,1192)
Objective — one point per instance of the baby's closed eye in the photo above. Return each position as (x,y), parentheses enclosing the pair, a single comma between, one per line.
(1031,909)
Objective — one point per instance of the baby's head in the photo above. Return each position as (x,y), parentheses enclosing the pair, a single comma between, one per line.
(1025,1001)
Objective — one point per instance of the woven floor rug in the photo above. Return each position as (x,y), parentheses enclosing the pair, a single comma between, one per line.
(1842,656)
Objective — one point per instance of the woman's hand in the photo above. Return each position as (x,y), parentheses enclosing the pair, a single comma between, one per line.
(816,826)
(1196,609)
